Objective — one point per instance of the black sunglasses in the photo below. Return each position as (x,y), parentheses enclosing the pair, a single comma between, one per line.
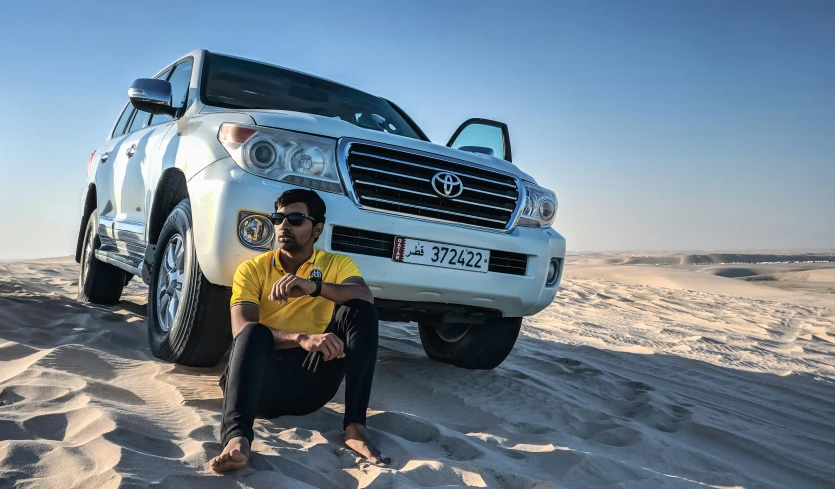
(294,218)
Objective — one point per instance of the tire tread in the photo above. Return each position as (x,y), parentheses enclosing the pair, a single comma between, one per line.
(484,347)
(203,330)
(104,282)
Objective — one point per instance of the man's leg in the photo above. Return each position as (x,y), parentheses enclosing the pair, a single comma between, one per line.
(252,355)
(357,324)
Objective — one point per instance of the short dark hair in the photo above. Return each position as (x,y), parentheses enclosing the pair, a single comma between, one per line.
(315,205)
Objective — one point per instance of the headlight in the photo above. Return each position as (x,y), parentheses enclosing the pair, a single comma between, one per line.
(540,207)
(286,156)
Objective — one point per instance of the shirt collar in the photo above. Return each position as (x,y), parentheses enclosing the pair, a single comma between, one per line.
(311,260)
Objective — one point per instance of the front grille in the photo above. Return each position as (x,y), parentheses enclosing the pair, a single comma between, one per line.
(399,181)
(362,242)
(506,262)
(370,243)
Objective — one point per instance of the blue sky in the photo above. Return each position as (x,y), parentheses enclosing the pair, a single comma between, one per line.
(660,124)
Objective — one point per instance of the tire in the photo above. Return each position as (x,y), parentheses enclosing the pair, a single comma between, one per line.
(196,331)
(472,346)
(98,282)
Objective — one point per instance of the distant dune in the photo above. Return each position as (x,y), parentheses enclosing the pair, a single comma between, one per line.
(723,258)
(635,377)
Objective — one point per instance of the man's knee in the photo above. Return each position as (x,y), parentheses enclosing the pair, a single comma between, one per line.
(360,311)
(254,331)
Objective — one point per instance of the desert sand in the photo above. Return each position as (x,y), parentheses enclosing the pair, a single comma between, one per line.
(697,370)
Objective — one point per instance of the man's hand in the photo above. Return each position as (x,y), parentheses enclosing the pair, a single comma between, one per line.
(290,286)
(328,344)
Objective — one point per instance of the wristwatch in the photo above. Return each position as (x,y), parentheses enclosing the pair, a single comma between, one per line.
(318,288)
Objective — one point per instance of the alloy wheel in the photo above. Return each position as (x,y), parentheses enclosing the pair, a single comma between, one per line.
(170,282)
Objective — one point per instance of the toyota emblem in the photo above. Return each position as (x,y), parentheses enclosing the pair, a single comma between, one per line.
(447,184)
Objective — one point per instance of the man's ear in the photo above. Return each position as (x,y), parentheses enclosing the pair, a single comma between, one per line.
(318,228)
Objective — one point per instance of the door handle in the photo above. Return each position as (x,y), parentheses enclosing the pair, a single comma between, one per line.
(131,151)
(104,157)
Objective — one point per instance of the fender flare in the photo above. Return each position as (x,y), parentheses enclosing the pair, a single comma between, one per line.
(90,204)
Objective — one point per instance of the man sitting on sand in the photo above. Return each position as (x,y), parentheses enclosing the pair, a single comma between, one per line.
(302,320)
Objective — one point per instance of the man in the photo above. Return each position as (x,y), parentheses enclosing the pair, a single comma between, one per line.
(302,320)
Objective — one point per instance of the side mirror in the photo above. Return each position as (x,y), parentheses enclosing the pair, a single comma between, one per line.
(150,95)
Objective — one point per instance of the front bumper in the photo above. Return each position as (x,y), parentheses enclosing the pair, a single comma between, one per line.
(222,189)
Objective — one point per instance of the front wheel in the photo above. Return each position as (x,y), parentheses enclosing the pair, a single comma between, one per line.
(188,317)
(473,346)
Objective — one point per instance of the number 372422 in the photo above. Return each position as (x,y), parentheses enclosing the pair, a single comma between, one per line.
(410,250)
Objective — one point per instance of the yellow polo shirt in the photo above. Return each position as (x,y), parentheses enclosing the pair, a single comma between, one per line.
(254,281)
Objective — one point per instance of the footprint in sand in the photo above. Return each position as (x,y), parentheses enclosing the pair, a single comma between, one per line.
(786,331)
(577,367)
(607,433)
(406,427)
(143,443)
(460,450)
(417,431)
(640,405)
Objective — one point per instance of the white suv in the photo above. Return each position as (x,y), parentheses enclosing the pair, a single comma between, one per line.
(454,237)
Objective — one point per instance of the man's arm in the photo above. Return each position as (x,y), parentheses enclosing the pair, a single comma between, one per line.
(290,286)
(243,314)
(353,288)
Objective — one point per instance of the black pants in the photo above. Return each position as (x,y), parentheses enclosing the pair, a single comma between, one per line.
(262,381)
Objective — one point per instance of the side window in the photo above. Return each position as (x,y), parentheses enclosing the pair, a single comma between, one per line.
(180,81)
(123,121)
(140,120)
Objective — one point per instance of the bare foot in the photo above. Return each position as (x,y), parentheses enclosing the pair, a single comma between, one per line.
(234,456)
(355,440)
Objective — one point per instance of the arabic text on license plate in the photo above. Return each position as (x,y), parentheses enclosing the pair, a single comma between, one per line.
(409,250)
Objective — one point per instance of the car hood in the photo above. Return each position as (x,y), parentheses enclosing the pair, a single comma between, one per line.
(335,128)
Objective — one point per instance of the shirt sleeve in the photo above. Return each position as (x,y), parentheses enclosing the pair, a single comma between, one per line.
(247,285)
(346,269)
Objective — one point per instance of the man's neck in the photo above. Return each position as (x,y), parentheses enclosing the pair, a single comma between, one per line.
(292,260)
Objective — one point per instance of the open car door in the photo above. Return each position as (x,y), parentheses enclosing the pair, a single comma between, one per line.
(483,136)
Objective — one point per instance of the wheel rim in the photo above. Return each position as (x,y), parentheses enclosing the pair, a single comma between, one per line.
(452,332)
(170,282)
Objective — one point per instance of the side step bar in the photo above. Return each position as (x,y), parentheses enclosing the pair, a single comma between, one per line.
(120,261)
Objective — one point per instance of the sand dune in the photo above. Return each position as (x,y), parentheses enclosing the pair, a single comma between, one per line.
(634,377)
(720,258)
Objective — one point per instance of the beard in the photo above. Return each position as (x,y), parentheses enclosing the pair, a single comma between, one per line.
(288,242)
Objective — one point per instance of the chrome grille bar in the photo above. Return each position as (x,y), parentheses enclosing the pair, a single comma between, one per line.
(363,182)
(431,209)
(400,181)
(426,167)
(429,180)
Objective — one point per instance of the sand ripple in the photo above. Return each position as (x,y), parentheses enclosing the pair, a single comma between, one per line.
(615,385)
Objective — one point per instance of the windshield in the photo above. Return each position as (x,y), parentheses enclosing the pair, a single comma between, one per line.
(240,84)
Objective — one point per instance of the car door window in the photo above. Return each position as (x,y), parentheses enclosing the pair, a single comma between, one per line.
(123,121)
(180,80)
(483,136)
(140,120)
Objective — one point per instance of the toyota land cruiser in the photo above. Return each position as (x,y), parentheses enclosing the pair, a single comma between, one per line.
(456,238)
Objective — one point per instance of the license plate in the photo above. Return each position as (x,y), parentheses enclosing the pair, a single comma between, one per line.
(421,252)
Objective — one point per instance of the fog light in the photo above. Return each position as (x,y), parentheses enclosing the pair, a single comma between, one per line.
(553,272)
(255,231)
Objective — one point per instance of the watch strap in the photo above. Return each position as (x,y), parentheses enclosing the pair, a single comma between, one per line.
(318,288)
